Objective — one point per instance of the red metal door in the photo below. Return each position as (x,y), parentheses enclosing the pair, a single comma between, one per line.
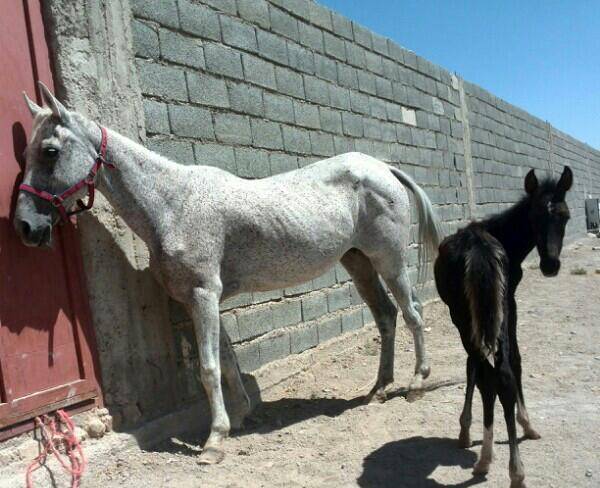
(47,347)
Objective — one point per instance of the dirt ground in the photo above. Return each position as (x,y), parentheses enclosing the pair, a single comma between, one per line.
(314,430)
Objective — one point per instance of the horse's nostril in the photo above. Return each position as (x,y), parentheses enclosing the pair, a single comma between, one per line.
(25,228)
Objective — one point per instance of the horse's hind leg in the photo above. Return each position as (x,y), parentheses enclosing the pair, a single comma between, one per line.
(384,312)
(241,405)
(464,439)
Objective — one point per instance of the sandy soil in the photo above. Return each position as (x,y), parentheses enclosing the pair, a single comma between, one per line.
(313,429)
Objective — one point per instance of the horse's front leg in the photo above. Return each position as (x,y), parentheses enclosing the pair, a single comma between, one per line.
(204,310)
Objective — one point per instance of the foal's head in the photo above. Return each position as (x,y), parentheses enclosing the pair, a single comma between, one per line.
(58,155)
(548,216)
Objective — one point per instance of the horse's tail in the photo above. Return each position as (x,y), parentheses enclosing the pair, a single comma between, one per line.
(485,287)
(429,227)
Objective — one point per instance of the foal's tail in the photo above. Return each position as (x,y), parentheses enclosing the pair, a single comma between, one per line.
(485,287)
(429,227)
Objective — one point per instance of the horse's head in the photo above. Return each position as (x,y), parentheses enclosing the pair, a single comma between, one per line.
(58,155)
(549,215)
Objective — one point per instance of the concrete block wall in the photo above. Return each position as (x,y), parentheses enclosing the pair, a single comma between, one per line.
(260,87)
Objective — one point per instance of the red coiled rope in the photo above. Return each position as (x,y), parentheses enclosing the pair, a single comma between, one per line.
(53,436)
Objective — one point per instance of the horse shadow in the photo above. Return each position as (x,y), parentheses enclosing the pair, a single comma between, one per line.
(409,463)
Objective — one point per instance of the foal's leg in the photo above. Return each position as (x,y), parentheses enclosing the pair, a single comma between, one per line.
(384,312)
(464,439)
(204,310)
(486,383)
(522,415)
(241,402)
(396,278)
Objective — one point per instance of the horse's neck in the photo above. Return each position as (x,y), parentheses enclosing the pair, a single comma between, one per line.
(141,187)
(513,230)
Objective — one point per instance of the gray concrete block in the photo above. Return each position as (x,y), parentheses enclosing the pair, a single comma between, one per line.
(227,6)
(325,68)
(399,92)
(229,323)
(378,108)
(320,16)
(254,322)
(248,356)
(314,306)
(252,163)
(145,40)
(223,61)
(306,115)
(352,320)
(296,140)
(388,132)
(366,82)
(181,49)
(239,300)
(188,121)
(390,70)
(396,52)
(233,128)
(359,102)
(410,59)
(347,76)
(266,134)
(302,288)
(329,328)
(289,82)
(255,11)
(352,124)
(303,338)
(362,35)
(272,47)
(374,63)
(283,23)
(342,26)
(238,34)
(343,144)
(258,71)
(162,81)
(322,144)
(327,279)
(266,296)
(207,90)
(331,120)
(367,316)
(338,298)
(334,46)
(279,108)
(339,97)
(355,297)
(199,20)
(281,163)
(317,90)
(273,348)
(355,55)
(245,98)
(286,313)
(311,37)
(179,151)
(300,58)
(380,44)
(162,11)
(384,88)
(394,112)
(217,155)
(372,128)
(156,117)
(341,275)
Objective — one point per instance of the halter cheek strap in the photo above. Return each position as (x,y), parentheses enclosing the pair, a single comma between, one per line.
(89,181)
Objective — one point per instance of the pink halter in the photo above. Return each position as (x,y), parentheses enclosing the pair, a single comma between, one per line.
(58,200)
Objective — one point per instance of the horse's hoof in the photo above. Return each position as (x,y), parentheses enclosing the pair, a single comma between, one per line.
(376,396)
(464,441)
(425,371)
(211,455)
(414,394)
(482,467)
(518,484)
(532,434)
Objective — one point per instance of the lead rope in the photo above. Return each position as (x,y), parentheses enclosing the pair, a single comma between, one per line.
(53,437)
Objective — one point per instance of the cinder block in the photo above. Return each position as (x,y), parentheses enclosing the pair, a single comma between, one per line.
(289,82)
(266,134)
(355,55)
(339,97)
(325,68)
(343,144)
(394,112)
(156,117)
(366,82)
(145,40)
(254,322)
(399,93)
(327,279)
(374,63)
(331,120)
(281,163)
(359,102)
(302,288)
(283,23)
(216,155)
(388,132)
(273,348)
(266,296)
(248,356)
(338,298)
(223,61)
(258,71)
(227,6)
(162,11)
(279,108)
(409,116)
(347,76)
(341,275)
(311,37)
(352,124)
(329,328)
(207,90)
(352,320)
(322,144)
(320,16)
(303,338)
(178,151)
(199,20)
(296,140)
(162,81)
(384,88)
(238,34)
(286,313)
(307,115)
(245,98)
(372,128)
(272,47)
(229,323)
(300,58)
(317,90)
(180,49)
(334,46)
(239,300)
(342,26)
(314,306)
(252,163)
(378,108)
(362,35)
(233,128)
(396,52)
(255,11)
(187,121)
(390,70)
(380,44)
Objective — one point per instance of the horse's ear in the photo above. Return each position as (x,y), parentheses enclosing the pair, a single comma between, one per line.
(58,109)
(531,182)
(566,181)
(34,108)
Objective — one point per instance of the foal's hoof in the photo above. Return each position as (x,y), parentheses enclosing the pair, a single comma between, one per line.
(211,455)
(414,394)
(464,441)
(532,434)
(481,467)
(376,395)
(518,484)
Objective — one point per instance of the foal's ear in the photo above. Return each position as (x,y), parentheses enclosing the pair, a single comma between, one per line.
(34,108)
(531,182)
(58,109)
(566,181)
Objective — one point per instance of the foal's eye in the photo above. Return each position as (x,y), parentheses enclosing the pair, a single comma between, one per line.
(50,152)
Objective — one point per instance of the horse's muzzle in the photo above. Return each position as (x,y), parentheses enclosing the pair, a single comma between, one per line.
(34,235)
(550,266)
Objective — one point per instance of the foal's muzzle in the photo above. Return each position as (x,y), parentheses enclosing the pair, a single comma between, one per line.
(550,266)
(34,234)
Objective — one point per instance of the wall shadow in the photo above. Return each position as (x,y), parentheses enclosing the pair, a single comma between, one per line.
(409,463)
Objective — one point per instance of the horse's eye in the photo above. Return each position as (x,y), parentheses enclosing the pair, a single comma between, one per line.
(50,152)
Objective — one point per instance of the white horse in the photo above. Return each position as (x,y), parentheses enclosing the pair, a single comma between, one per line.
(212,235)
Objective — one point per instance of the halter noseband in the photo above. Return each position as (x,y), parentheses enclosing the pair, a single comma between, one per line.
(58,200)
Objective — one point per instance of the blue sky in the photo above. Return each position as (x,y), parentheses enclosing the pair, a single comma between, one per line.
(543,56)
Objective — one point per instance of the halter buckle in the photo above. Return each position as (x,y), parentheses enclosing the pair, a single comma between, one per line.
(57,201)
